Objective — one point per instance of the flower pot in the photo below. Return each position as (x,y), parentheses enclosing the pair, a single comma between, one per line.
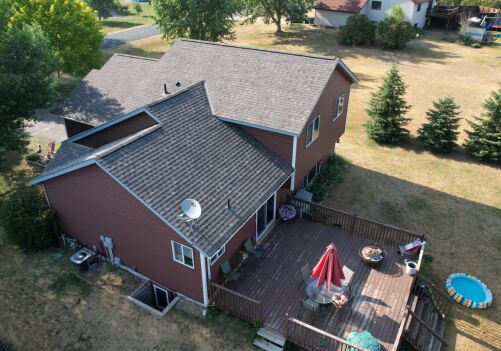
(410,267)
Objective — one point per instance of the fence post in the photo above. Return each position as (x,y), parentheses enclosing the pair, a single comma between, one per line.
(286,327)
(353,222)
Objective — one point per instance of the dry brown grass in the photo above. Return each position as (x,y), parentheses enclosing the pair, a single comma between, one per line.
(452,199)
(50,306)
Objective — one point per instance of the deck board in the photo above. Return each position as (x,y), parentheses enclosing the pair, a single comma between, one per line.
(381,294)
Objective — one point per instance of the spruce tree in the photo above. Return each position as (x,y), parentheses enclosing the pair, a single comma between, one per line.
(484,141)
(387,108)
(440,133)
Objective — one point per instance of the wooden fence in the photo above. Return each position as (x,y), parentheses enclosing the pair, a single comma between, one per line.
(236,304)
(314,339)
(441,301)
(378,232)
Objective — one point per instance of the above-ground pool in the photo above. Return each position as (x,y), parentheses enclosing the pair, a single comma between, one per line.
(468,290)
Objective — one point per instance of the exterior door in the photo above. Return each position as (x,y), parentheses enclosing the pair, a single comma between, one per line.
(265,216)
(161,297)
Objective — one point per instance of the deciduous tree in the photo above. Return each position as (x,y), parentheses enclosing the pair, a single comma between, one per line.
(274,11)
(484,140)
(196,19)
(387,108)
(440,133)
(26,64)
(72,28)
(102,7)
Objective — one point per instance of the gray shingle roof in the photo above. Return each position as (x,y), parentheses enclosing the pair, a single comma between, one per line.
(193,154)
(272,89)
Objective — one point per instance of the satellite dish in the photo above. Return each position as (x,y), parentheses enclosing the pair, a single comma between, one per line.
(191,208)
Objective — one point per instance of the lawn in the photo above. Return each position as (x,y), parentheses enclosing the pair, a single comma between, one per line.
(115,24)
(52,306)
(453,200)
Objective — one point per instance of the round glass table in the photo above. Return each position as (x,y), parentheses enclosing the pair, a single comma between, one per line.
(321,294)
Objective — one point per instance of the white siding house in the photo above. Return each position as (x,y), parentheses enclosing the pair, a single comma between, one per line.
(334,13)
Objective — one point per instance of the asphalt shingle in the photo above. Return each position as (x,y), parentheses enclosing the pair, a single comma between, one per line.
(271,89)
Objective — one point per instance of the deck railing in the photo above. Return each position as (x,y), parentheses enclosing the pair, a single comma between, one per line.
(432,333)
(313,339)
(441,301)
(236,304)
(378,232)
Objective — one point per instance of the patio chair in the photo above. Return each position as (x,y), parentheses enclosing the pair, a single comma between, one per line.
(348,275)
(310,305)
(306,275)
(228,272)
(253,250)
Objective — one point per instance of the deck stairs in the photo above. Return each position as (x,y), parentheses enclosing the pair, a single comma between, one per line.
(269,340)
(425,327)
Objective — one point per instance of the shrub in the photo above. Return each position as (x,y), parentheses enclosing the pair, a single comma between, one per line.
(29,223)
(331,174)
(393,32)
(476,45)
(359,30)
(439,134)
(34,156)
(387,108)
(138,8)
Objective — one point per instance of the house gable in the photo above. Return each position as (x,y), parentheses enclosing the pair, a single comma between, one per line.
(89,203)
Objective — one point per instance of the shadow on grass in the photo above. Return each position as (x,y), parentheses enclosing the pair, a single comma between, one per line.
(120,24)
(323,41)
(458,153)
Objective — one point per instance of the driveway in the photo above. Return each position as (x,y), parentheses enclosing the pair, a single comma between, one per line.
(125,36)
(49,126)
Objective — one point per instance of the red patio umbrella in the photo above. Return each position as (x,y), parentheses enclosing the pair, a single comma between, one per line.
(328,269)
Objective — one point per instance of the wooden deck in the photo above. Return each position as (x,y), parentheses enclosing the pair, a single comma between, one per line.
(381,294)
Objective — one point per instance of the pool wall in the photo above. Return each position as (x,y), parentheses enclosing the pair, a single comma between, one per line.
(461,299)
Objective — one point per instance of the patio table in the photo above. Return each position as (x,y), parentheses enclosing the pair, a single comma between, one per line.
(321,294)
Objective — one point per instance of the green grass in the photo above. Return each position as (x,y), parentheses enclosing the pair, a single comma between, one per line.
(68,283)
(153,47)
(115,24)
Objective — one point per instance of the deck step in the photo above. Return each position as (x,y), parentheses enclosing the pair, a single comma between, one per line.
(266,345)
(272,336)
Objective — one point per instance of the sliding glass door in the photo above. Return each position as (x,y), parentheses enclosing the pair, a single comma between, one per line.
(265,216)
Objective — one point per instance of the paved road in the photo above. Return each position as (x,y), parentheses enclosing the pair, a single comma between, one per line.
(48,126)
(119,38)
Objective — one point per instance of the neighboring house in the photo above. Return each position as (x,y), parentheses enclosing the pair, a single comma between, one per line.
(335,13)
(236,128)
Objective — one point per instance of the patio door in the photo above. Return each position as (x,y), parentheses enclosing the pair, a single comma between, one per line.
(265,216)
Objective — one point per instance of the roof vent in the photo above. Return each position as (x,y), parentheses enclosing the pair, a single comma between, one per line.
(166,92)
(178,84)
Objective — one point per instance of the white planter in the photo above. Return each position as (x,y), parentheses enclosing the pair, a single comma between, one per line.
(410,267)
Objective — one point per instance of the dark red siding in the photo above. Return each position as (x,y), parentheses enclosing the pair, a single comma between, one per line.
(120,130)
(330,132)
(74,128)
(280,144)
(248,231)
(89,203)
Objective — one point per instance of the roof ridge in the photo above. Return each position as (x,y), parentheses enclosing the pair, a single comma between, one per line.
(137,57)
(174,94)
(283,52)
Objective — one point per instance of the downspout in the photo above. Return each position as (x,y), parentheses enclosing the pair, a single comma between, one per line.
(46,197)
(204,279)
(294,148)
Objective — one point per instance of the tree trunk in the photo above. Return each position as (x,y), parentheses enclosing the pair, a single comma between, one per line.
(278,23)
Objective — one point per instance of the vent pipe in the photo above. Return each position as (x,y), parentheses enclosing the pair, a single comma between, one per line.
(165,89)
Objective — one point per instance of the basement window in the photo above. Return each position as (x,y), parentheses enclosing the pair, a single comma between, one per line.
(376,5)
(312,131)
(218,254)
(182,254)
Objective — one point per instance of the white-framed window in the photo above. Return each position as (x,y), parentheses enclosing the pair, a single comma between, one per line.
(183,254)
(376,5)
(311,175)
(218,254)
(338,107)
(312,131)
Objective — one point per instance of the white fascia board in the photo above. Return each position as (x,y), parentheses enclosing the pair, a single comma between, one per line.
(257,126)
(346,70)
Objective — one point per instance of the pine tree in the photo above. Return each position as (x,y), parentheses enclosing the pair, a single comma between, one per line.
(387,108)
(484,141)
(440,133)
